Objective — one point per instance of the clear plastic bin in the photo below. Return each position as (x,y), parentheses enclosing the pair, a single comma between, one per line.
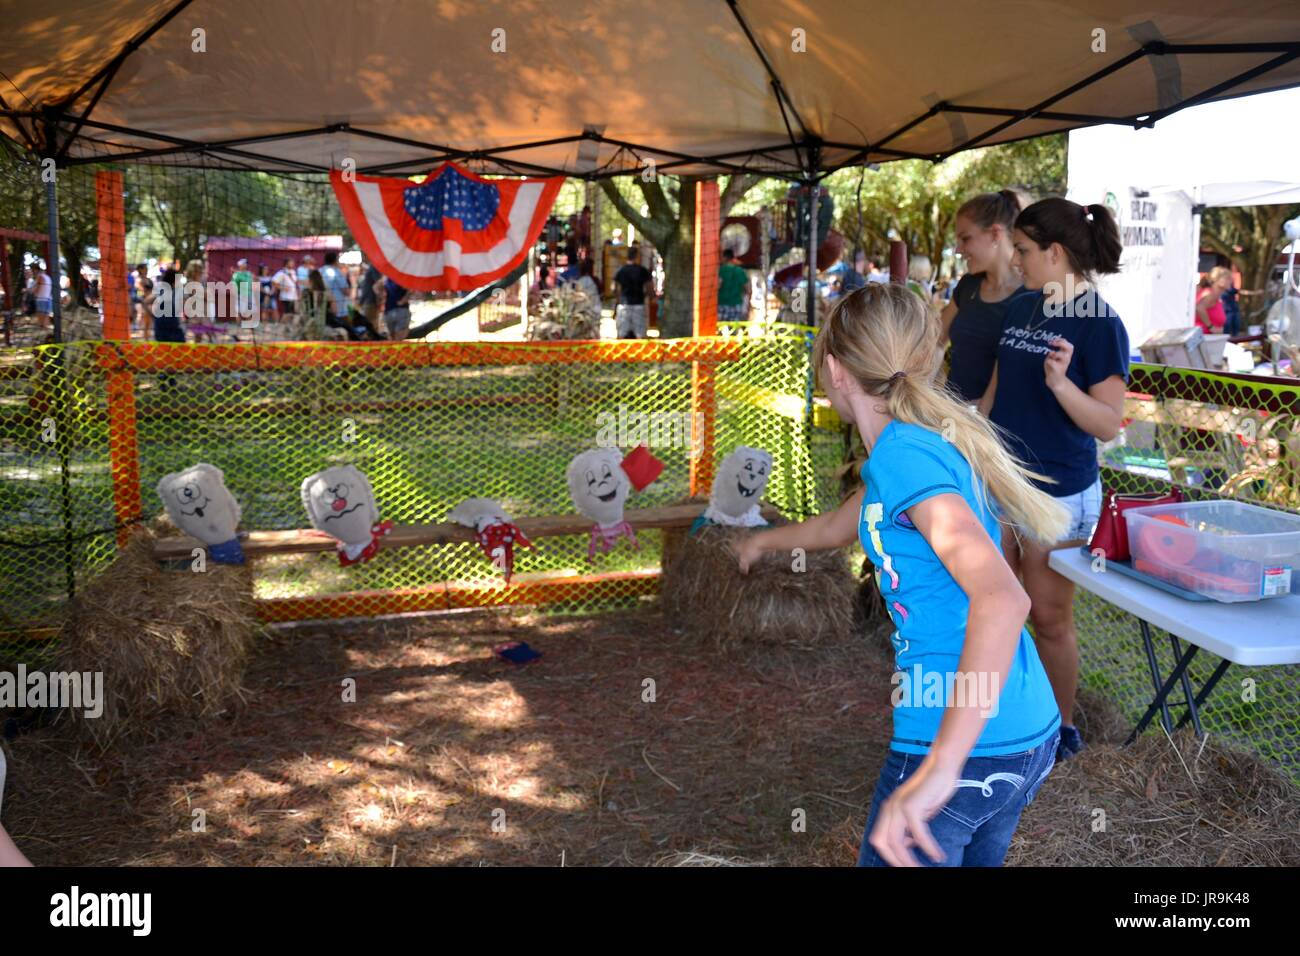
(1225,550)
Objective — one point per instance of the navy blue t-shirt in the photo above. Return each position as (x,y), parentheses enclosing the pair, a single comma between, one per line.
(974,333)
(1042,434)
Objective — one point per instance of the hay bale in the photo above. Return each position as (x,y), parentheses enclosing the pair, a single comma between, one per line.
(169,643)
(705,594)
(1167,802)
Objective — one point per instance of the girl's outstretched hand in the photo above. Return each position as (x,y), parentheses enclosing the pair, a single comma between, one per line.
(903,819)
(748,551)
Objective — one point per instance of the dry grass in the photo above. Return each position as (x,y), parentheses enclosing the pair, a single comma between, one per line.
(1161,802)
(444,740)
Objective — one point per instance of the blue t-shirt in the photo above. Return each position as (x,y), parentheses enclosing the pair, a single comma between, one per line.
(336,284)
(974,335)
(930,610)
(1041,433)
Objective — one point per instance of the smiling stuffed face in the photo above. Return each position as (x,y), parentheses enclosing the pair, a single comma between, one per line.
(199,502)
(340,503)
(741,480)
(598,485)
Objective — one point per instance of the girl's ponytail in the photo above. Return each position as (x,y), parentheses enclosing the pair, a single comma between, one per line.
(993,209)
(1106,244)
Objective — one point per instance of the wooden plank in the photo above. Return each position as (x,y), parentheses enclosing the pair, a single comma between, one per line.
(525,589)
(165,357)
(303,541)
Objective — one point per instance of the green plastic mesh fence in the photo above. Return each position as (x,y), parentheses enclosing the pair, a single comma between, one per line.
(430,424)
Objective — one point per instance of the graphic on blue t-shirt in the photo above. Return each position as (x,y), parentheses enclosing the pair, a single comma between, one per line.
(1041,433)
(929,610)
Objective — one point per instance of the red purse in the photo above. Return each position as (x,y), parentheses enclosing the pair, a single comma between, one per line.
(1111,533)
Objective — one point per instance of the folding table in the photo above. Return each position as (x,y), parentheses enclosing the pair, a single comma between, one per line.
(1252,634)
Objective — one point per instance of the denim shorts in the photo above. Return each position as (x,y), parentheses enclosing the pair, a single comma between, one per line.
(1085,509)
(976,825)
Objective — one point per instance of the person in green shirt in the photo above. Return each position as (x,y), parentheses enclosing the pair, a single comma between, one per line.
(243,280)
(733,290)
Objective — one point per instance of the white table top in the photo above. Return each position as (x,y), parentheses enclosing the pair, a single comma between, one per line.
(1251,632)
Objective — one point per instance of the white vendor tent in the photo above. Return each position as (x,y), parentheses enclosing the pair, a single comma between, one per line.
(1236,152)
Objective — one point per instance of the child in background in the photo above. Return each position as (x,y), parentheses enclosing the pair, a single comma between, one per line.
(960,770)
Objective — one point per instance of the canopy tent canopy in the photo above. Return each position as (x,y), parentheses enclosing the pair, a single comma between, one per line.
(593,88)
(1243,152)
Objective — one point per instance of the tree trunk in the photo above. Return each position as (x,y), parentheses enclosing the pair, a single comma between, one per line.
(76,287)
(677,320)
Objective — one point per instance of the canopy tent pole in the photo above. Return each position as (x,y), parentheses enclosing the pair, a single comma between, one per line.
(52,252)
(814,159)
(63,393)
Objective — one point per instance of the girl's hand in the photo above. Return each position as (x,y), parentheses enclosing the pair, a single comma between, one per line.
(1057,361)
(902,821)
(748,551)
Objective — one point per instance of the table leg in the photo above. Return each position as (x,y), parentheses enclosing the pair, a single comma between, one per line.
(1162,693)
(1203,695)
(1186,681)
(1154,665)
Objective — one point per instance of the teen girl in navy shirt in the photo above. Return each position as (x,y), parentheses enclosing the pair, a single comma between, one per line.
(972,321)
(975,722)
(1057,388)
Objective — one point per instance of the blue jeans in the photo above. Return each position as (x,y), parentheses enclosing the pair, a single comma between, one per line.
(976,826)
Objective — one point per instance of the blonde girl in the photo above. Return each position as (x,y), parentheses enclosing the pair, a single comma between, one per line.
(975,722)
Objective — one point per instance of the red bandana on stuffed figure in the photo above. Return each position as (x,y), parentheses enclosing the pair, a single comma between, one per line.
(599,483)
(494,530)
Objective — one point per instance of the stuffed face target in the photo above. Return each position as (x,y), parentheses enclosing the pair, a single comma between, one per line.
(198,501)
(340,503)
(599,486)
(738,488)
(599,483)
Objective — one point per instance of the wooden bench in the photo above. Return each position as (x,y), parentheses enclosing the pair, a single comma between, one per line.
(303,541)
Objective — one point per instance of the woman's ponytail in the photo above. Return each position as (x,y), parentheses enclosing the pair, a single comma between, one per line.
(1106,245)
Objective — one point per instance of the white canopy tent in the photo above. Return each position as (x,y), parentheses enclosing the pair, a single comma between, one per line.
(600,88)
(1238,152)
(595,88)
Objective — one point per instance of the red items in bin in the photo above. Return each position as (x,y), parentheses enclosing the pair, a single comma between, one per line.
(1221,549)
(1173,556)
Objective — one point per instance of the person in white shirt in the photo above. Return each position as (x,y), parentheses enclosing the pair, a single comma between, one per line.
(42,292)
(286,285)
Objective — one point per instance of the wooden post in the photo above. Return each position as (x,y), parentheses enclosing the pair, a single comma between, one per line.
(898,262)
(112,255)
(123,441)
(123,448)
(704,374)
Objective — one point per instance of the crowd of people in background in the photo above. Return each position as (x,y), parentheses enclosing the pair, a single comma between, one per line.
(361,302)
